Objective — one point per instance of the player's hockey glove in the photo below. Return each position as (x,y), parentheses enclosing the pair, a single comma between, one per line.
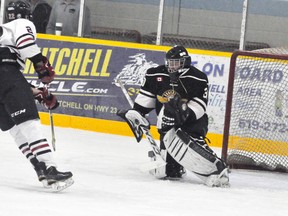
(45,71)
(48,100)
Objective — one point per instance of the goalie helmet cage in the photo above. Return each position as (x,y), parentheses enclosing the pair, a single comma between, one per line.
(256,118)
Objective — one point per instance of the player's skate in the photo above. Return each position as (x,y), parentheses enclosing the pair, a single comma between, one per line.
(58,180)
(52,178)
(40,169)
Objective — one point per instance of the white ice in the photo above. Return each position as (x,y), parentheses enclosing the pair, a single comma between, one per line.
(108,182)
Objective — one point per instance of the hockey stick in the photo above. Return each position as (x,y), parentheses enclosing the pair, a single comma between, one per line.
(52,130)
(51,124)
(119,83)
(158,161)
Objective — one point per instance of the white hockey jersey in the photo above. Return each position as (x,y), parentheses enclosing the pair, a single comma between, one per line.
(19,36)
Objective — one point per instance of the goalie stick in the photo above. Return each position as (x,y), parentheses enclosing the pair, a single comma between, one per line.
(144,126)
(119,83)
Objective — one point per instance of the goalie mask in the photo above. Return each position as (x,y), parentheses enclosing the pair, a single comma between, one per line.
(18,9)
(177,58)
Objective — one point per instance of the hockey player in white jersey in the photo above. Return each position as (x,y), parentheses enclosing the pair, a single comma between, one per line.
(18,111)
(179,94)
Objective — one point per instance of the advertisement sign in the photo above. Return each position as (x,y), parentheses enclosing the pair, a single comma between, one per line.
(86,73)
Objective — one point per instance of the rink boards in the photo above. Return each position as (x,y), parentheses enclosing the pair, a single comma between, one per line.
(86,70)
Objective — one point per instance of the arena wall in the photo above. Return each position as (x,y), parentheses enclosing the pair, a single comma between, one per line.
(86,70)
(219,19)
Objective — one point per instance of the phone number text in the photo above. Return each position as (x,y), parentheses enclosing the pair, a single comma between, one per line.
(266,126)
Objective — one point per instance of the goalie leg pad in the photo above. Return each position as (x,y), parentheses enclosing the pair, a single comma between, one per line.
(196,157)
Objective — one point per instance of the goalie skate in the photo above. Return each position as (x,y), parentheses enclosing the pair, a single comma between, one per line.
(217,180)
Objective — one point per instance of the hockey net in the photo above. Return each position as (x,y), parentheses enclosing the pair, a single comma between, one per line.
(256,119)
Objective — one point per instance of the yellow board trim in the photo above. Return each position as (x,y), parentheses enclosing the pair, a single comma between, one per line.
(128,45)
(107,126)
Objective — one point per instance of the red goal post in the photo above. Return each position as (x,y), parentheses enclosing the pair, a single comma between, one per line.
(256,119)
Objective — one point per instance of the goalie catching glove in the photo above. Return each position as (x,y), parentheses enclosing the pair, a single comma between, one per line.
(176,110)
(45,98)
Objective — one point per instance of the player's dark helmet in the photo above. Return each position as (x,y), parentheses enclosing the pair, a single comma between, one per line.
(177,58)
(18,9)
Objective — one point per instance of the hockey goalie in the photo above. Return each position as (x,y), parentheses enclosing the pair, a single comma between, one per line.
(179,93)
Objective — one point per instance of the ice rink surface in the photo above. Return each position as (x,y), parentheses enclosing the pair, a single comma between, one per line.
(108,182)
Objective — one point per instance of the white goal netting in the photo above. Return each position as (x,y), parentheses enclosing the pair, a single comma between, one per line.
(258,124)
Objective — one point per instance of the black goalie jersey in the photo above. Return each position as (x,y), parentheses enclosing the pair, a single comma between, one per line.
(191,85)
